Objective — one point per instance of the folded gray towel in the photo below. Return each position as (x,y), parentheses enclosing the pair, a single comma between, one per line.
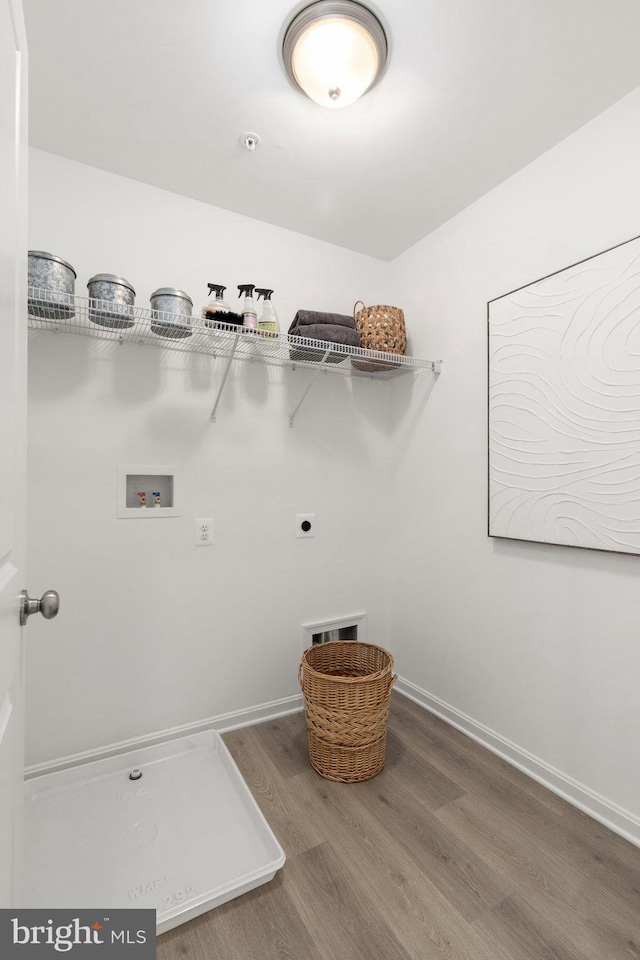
(312,317)
(330,332)
(327,331)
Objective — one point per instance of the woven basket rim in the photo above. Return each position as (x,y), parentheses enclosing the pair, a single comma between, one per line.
(348,680)
(377,306)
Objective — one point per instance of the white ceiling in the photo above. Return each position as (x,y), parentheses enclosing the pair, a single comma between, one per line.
(160,91)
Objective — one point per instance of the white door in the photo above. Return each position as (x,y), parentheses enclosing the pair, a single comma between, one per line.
(13,343)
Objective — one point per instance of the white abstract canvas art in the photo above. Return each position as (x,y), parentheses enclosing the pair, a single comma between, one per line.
(564,406)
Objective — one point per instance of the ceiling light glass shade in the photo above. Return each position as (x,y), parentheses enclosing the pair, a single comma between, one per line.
(334,51)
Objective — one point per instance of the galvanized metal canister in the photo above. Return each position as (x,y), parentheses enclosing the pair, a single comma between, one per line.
(171,313)
(51,286)
(111,301)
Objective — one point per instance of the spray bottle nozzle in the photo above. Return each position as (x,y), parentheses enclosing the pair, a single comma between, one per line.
(216,288)
(264,292)
(246,289)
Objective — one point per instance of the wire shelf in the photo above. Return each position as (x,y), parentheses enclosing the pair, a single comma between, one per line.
(101,319)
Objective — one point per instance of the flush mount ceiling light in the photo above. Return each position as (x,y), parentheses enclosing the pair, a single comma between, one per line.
(334,51)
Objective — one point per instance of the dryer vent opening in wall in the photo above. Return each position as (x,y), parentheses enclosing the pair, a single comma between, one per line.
(340,633)
(342,628)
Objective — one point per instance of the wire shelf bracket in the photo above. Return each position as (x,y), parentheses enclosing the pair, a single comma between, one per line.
(224,377)
(321,366)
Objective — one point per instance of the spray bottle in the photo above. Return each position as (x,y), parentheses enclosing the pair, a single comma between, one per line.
(249,312)
(217,310)
(268,324)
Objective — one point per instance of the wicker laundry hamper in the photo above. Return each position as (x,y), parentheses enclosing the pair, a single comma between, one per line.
(346,687)
(381,328)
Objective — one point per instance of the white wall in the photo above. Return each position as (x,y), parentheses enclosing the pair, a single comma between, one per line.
(538,643)
(152,632)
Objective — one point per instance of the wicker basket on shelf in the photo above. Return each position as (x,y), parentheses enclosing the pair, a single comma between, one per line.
(346,687)
(381,328)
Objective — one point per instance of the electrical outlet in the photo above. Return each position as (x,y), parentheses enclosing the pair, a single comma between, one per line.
(203,532)
(305,525)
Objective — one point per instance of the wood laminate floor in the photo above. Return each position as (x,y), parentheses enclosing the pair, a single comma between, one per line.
(449,854)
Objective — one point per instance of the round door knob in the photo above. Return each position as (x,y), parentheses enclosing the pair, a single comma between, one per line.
(48,605)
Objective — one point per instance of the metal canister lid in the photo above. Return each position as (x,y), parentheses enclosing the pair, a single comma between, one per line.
(52,256)
(111,278)
(171,292)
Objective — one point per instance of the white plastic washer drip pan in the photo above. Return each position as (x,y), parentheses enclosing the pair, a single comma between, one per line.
(184,838)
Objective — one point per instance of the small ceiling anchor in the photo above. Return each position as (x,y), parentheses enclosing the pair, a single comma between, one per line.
(250,141)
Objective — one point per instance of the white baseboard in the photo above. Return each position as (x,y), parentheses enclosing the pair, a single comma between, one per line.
(605,811)
(222,723)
